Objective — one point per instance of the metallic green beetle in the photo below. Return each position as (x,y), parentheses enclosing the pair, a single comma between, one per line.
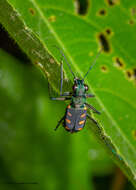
(76,112)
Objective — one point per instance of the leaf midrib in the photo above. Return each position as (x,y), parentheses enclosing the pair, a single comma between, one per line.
(71,59)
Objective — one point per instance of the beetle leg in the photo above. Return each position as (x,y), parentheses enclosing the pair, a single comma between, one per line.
(66,94)
(92,108)
(89,95)
(89,117)
(93,120)
(60,121)
(61,98)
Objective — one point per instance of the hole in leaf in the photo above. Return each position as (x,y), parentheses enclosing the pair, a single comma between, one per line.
(129,74)
(82,6)
(119,62)
(104,43)
(134,134)
(134,72)
(32,11)
(131,22)
(108,31)
(102,12)
(104,68)
(112,2)
(133,11)
(52,18)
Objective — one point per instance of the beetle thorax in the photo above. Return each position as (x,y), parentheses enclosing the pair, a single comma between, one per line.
(78,102)
(78,98)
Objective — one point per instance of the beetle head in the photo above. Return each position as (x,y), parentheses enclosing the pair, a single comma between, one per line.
(79,88)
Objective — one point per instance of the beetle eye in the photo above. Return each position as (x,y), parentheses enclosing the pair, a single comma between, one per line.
(74,87)
(86,87)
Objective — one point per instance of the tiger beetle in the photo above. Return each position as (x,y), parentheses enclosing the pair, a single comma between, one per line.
(76,112)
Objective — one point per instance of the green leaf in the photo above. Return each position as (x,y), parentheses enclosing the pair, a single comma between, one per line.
(38,25)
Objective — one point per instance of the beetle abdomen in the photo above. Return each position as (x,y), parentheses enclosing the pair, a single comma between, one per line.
(75,119)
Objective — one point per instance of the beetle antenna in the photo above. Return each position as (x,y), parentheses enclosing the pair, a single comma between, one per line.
(61,52)
(94,62)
